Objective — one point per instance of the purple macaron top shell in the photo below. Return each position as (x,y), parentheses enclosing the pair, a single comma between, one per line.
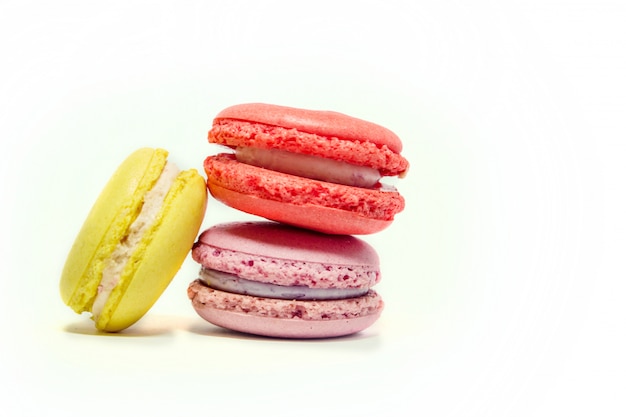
(284,255)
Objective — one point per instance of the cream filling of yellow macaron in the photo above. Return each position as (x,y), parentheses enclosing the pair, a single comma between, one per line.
(113,267)
(309,166)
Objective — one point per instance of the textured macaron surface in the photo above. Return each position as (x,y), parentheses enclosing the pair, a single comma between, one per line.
(360,152)
(313,132)
(283,318)
(381,203)
(278,254)
(205,297)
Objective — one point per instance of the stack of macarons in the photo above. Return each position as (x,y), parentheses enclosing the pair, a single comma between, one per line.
(315,176)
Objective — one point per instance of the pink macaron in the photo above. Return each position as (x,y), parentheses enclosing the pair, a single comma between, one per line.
(318,170)
(271,279)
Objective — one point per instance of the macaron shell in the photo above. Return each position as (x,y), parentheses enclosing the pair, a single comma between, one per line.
(312,217)
(275,241)
(160,254)
(327,123)
(285,328)
(285,318)
(317,205)
(112,213)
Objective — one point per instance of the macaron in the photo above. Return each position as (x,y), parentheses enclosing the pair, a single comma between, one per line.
(134,240)
(319,170)
(271,279)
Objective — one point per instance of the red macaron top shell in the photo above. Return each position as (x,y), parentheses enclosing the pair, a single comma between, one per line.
(326,123)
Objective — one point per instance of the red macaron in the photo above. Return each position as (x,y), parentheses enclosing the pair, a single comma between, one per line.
(272,279)
(318,170)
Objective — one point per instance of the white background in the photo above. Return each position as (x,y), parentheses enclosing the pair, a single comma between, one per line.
(503,278)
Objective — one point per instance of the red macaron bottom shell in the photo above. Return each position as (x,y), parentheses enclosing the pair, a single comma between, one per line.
(298,201)
(285,318)
(313,217)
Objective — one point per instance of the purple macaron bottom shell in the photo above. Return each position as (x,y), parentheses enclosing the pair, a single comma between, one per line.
(285,318)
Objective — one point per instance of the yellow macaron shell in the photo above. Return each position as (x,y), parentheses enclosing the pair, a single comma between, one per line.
(107,224)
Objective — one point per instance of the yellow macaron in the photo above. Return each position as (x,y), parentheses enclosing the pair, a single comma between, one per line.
(134,240)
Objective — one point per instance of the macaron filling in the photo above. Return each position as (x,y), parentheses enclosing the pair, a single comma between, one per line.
(231,283)
(115,264)
(309,166)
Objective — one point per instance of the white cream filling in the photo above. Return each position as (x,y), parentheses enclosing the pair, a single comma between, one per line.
(223,281)
(308,166)
(115,264)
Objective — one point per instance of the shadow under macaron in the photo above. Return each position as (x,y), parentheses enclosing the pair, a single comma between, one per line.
(148,326)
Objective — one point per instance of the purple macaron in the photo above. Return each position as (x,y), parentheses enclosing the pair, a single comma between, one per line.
(271,279)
